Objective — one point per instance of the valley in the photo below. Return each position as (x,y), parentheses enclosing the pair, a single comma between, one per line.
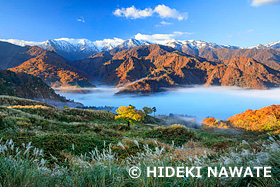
(86,146)
(196,102)
(135,102)
(142,67)
(139,93)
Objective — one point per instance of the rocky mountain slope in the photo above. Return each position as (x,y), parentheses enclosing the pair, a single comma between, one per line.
(139,66)
(241,72)
(12,55)
(151,68)
(269,57)
(48,65)
(54,70)
(244,72)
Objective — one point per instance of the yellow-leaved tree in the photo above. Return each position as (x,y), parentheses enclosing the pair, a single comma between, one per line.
(129,114)
(147,110)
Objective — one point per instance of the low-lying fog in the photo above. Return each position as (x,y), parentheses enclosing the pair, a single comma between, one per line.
(219,102)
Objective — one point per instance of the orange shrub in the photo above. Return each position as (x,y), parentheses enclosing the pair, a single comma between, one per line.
(210,124)
(265,119)
(262,120)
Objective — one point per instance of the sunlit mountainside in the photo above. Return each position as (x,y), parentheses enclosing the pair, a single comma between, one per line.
(141,67)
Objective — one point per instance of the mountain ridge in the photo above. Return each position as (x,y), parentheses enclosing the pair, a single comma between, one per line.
(48,65)
(150,68)
(77,49)
(54,70)
(138,66)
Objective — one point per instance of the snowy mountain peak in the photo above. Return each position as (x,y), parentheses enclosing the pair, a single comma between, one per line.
(131,43)
(20,42)
(196,44)
(75,49)
(108,44)
(259,46)
(173,41)
(273,45)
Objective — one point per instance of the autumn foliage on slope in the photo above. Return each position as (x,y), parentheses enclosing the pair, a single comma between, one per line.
(266,119)
(54,71)
(211,125)
(152,68)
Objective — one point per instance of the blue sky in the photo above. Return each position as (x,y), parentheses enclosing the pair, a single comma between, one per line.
(236,22)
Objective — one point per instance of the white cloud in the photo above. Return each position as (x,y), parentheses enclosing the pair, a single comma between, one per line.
(264,2)
(159,38)
(133,13)
(166,12)
(160,10)
(81,19)
(163,23)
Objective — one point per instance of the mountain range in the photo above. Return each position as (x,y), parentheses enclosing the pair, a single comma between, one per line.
(136,66)
(151,68)
(77,49)
(52,68)
(72,49)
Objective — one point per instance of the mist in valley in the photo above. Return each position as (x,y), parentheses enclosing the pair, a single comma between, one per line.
(197,101)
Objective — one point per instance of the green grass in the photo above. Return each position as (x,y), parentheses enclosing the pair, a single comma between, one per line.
(91,148)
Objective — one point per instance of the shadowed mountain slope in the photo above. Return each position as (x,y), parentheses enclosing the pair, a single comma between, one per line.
(12,55)
(26,86)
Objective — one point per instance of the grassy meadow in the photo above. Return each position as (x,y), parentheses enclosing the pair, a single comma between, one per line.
(45,146)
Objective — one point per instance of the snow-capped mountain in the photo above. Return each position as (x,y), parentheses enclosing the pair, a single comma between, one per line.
(72,49)
(195,44)
(21,42)
(76,49)
(131,43)
(108,44)
(273,45)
